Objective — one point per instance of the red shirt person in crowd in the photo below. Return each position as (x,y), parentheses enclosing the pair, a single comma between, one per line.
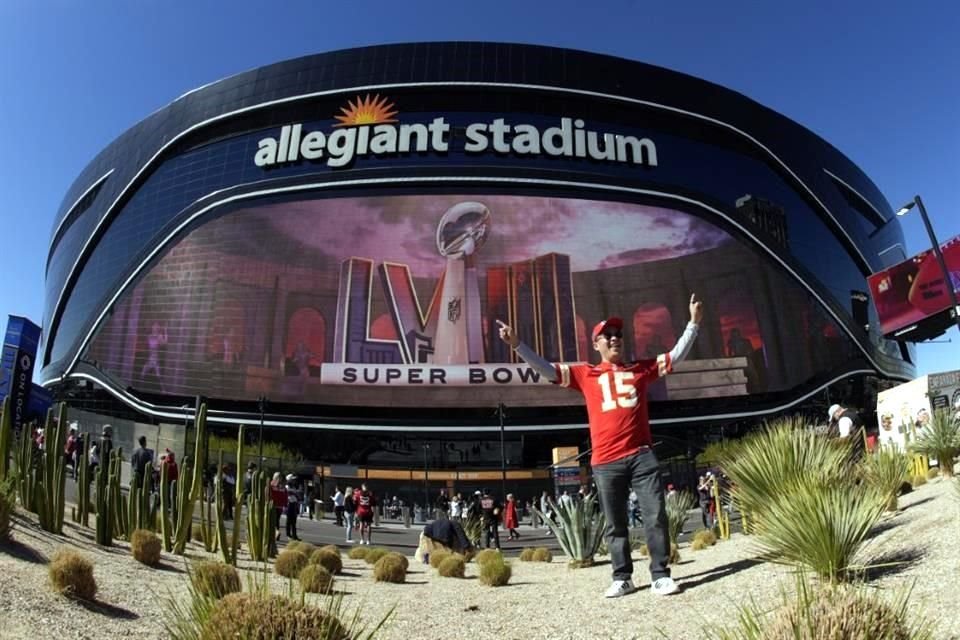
(278,495)
(365,501)
(615,392)
(510,520)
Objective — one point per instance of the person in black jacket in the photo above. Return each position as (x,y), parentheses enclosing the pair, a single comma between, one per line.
(490,511)
(443,534)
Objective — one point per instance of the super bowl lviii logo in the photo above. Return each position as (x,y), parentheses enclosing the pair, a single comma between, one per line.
(368,126)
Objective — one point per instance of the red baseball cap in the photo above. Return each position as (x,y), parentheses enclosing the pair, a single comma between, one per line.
(613,323)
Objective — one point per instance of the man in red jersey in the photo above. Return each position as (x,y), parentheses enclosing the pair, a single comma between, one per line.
(616,397)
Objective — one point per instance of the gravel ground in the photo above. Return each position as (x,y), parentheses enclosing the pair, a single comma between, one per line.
(541,601)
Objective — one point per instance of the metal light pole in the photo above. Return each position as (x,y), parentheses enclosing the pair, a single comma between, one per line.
(944,271)
(503,455)
(426,486)
(262,404)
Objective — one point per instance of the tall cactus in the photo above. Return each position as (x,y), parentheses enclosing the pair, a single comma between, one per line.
(188,496)
(165,523)
(260,539)
(28,470)
(49,496)
(6,438)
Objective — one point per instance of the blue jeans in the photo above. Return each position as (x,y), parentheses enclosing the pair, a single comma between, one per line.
(614,479)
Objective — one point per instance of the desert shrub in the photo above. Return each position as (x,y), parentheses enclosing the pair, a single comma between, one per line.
(933,472)
(146,546)
(293,545)
(196,533)
(315,578)
(527,554)
(332,548)
(8,503)
(374,554)
(486,556)
(838,613)
(214,579)
(887,469)
(402,559)
(698,544)
(579,529)
(453,566)
(305,548)
(72,575)
(940,439)
(495,572)
(677,505)
(289,564)
(437,558)
(257,617)
(327,559)
(389,568)
(816,513)
(918,480)
(706,536)
(542,554)
(358,553)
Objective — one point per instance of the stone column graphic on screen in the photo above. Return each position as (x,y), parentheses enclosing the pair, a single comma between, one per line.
(463,229)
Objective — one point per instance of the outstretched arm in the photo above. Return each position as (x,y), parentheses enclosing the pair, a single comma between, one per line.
(685,343)
(540,364)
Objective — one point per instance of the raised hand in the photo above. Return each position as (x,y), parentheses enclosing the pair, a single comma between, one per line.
(507,334)
(696,309)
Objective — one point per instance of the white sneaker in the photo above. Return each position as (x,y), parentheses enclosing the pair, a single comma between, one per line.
(619,588)
(349,540)
(664,587)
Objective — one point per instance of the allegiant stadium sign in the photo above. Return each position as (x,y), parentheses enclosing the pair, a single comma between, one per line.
(368,128)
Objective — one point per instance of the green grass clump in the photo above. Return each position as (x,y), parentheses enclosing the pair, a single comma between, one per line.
(332,548)
(214,579)
(315,578)
(707,537)
(527,554)
(698,544)
(487,555)
(453,566)
(71,575)
(495,572)
(358,553)
(146,546)
(542,554)
(389,568)
(437,558)
(257,617)
(402,559)
(289,564)
(327,559)
(374,554)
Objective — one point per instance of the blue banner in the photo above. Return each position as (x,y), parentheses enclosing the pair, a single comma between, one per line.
(16,366)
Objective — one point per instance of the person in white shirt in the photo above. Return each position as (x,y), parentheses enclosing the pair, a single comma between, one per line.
(338,506)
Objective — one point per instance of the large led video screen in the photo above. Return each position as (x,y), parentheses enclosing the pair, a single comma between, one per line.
(392,301)
(915,289)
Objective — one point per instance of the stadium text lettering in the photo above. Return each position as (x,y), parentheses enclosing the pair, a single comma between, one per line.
(426,375)
(344,145)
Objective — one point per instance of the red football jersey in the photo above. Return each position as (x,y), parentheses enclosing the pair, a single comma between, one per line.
(616,398)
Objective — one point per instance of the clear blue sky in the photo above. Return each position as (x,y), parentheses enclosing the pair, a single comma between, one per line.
(877,80)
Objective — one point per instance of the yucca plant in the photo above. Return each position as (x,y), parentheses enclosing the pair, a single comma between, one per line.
(579,529)
(940,439)
(677,506)
(811,510)
(782,453)
(887,469)
(473,528)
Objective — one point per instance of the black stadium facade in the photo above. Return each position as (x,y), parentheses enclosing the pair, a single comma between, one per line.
(339,233)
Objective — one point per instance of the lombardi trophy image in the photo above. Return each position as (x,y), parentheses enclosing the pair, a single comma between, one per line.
(462,231)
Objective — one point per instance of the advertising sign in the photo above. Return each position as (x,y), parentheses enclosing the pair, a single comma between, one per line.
(392,300)
(912,291)
(16,371)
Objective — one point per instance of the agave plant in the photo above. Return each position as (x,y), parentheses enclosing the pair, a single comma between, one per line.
(887,469)
(579,529)
(677,506)
(811,511)
(940,439)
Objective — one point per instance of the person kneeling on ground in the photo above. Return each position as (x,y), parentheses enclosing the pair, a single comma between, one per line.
(442,535)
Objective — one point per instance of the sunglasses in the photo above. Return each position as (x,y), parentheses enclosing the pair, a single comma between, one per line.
(611,334)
